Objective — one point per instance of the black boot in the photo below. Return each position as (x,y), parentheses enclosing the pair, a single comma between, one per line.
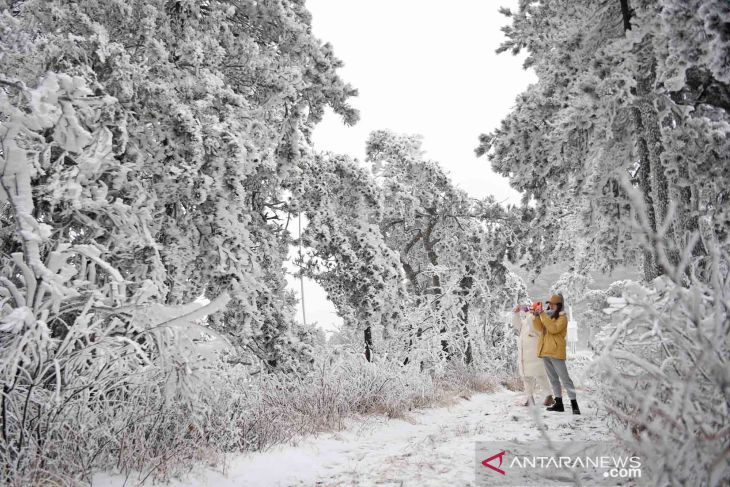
(574,405)
(558,406)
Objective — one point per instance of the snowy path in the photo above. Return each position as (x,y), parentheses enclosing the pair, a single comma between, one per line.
(432,447)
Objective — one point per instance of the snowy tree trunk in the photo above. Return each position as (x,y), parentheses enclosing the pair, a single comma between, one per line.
(652,135)
(413,279)
(686,221)
(650,144)
(428,246)
(651,270)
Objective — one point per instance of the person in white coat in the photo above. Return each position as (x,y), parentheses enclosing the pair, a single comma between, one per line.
(530,366)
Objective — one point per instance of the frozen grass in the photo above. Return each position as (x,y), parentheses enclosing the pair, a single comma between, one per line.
(254,414)
(154,436)
(279,409)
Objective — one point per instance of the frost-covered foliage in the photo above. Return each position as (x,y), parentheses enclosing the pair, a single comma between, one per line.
(451,248)
(572,285)
(663,367)
(632,89)
(699,40)
(214,100)
(152,154)
(665,377)
(144,149)
(251,413)
(86,359)
(346,252)
(412,264)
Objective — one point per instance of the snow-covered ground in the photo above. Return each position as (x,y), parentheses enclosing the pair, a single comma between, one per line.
(431,447)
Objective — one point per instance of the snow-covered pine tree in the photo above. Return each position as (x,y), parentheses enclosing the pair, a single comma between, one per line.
(451,247)
(145,147)
(611,101)
(345,251)
(214,100)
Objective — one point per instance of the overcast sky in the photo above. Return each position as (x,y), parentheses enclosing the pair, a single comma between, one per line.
(421,67)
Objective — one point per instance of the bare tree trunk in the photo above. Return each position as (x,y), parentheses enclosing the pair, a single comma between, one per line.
(465,286)
(464,317)
(368,344)
(626,14)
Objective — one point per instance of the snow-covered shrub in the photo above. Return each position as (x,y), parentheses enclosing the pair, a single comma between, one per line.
(254,412)
(663,369)
(591,312)
(666,378)
(117,386)
(93,372)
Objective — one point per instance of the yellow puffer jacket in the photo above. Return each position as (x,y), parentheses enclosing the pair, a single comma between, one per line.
(553,331)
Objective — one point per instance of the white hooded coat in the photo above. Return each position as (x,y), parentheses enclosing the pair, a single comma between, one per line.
(529,364)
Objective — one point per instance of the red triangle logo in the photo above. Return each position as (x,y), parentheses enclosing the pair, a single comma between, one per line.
(496,469)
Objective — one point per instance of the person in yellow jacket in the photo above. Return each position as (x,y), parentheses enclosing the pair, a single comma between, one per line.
(552,324)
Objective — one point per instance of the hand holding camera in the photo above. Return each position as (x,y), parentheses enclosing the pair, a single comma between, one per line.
(534,308)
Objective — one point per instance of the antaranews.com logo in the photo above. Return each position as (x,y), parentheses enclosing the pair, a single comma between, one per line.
(538,463)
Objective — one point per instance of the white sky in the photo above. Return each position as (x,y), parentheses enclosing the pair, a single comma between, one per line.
(421,67)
